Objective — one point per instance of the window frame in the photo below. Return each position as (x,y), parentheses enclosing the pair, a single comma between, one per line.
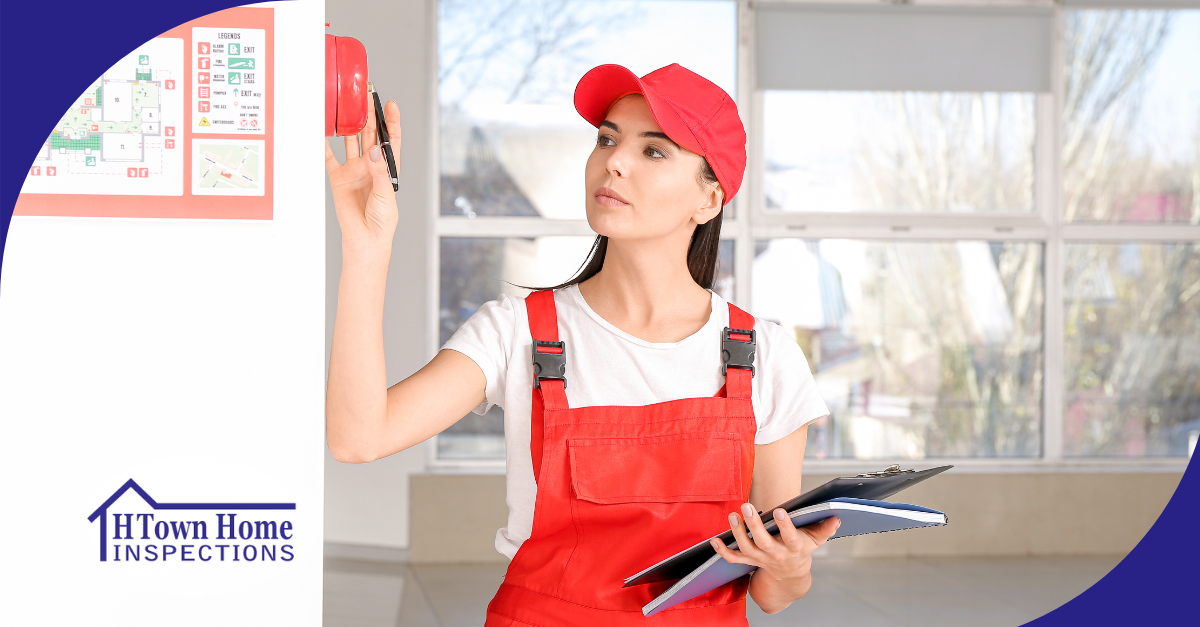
(751,221)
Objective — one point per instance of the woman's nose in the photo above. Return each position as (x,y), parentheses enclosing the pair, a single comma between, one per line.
(618,162)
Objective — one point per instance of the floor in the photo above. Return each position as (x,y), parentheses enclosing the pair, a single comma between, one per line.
(929,592)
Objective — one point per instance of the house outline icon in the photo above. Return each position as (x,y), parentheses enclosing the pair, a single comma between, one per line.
(101,512)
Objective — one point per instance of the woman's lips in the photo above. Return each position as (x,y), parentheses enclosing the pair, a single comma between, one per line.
(610,198)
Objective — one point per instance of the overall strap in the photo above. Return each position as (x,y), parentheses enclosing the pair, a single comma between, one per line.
(549,369)
(738,345)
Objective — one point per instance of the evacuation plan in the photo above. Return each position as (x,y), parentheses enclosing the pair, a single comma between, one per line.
(123,135)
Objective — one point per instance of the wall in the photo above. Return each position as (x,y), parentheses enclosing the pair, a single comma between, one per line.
(182,354)
(367,504)
(1054,513)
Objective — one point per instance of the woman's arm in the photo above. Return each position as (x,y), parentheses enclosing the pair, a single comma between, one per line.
(364,419)
(784,562)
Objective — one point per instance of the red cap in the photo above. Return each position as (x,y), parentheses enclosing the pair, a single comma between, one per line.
(689,108)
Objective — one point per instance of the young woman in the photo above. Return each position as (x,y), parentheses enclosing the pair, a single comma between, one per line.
(642,411)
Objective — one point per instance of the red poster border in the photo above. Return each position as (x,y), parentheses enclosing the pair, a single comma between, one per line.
(187,206)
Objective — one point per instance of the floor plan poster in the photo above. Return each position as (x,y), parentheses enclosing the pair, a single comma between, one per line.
(119,137)
(227,80)
(179,128)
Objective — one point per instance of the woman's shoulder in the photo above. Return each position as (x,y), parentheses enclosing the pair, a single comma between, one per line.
(765,326)
(500,312)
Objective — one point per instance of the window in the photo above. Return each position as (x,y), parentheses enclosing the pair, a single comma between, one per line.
(898,151)
(1131,117)
(920,349)
(1132,314)
(512,147)
(983,256)
(512,143)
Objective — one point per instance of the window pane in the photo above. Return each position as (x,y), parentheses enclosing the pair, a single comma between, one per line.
(474,270)
(1132,349)
(1131,117)
(898,151)
(920,349)
(512,143)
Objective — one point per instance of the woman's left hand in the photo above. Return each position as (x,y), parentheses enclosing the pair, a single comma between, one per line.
(786,558)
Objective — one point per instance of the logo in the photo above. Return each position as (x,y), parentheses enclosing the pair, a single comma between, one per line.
(193,532)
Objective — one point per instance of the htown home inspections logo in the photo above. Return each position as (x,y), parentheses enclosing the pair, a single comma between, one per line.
(168,534)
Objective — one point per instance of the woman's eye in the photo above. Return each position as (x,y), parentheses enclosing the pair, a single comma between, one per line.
(654,153)
(604,140)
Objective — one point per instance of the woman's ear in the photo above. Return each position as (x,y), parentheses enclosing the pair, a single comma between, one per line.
(713,201)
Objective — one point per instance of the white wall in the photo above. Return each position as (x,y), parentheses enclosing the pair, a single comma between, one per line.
(182,353)
(367,504)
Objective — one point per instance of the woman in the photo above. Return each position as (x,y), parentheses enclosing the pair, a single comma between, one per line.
(622,455)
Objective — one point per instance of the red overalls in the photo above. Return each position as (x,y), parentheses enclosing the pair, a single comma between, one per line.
(621,488)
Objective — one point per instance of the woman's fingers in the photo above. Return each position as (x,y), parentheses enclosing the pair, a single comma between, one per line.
(331,162)
(352,147)
(391,119)
(745,544)
(787,530)
(381,178)
(822,531)
(762,537)
(369,133)
(730,555)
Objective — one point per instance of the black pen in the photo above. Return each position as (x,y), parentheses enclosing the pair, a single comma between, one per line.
(385,142)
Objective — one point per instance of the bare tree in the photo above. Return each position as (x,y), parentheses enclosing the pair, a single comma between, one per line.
(526,49)
(946,151)
(1108,58)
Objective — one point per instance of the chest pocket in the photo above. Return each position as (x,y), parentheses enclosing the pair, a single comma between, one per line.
(686,467)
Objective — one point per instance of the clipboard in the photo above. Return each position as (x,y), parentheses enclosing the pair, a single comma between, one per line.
(871,486)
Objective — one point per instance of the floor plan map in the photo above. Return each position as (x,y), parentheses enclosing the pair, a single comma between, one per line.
(180,128)
(120,135)
(227,167)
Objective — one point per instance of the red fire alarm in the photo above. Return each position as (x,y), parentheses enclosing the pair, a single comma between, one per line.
(346,98)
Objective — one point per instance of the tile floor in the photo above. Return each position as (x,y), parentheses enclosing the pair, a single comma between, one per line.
(929,592)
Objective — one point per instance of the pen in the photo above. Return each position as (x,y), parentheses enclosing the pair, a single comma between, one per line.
(385,142)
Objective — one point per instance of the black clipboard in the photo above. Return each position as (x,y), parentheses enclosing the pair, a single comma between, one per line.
(872,485)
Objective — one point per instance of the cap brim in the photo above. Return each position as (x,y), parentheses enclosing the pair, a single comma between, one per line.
(605,84)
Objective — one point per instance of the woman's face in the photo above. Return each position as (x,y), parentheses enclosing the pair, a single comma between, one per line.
(639,183)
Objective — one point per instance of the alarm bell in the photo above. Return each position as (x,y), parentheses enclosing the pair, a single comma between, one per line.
(346,94)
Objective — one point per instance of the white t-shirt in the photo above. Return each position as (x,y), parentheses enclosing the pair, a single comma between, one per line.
(606,366)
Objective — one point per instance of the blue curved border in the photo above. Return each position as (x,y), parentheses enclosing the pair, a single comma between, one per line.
(1155,582)
(34,38)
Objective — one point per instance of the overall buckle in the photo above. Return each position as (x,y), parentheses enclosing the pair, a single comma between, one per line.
(736,353)
(549,364)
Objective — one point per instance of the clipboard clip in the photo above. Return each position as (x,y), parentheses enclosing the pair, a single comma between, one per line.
(890,471)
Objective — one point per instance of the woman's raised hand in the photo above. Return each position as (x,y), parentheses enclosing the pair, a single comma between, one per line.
(362,189)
